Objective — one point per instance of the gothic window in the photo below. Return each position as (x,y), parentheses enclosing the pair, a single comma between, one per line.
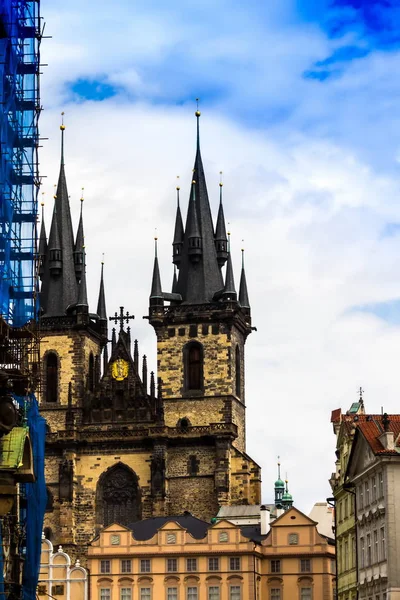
(118,497)
(51,373)
(193,358)
(237,372)
(193,465)
(91,373)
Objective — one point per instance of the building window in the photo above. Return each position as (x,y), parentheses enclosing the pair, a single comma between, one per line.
(275,594)
(191,564)
(340,511)
(193,360)
(213,592)
(192,593)
(51,377)
(275,566)
(105,566)
(362,552)
(333,566)
(306,593)
(238,379)
(126,594)
(383,546)
(346,508)
(234,563)
(213,564)
(305,565)
(105,594)
(172,593)
(366,493)
(376,546)
(171,538)
(145,565)
(223,537)
(293,539)
(234,592)
(369,550)
(374,489)
(91,373)
(346,555)
(118,496)
(381,484)
(172,565)
(193,465)
(126,566)
(361,496)
(145,593)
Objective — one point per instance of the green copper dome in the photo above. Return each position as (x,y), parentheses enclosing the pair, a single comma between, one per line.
(279,484)
(287,497)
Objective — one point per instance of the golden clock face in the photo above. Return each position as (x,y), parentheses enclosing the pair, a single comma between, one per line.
(120,369)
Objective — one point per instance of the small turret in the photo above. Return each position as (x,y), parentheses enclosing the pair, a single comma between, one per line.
(229,293)
(243,294)
(279,488)
(179,233)
(287,499)
(42,250)
(194,237)
(156,295)
(101,305)
(82,305)
(174,281)
(79,243)
(221,240)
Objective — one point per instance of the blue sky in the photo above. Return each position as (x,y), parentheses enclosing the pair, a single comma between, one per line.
(299,102)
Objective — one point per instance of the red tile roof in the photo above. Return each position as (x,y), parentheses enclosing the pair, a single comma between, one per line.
(371,427)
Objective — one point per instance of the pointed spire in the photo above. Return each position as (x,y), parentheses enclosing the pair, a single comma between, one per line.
(144,372)
(62,128)
(101,304)
(79,243)
(152,385)
(174,281)
(199,275)
(156,295)
(54,245)
(243,294)
(105,358)
(179,233)
(221,241)
(229,288)
(42,250)
(136,355)
(113,339)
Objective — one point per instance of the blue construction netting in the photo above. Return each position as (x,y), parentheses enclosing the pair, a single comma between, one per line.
(35,494)
(19,181)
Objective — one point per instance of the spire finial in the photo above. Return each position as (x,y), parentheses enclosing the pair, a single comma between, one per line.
(229,239)
(55,191)
(279,467)
(62,127)
(198,113)
(242,250)
(361,392)
(102,258)
(220,187)
(155,243)
(177,190)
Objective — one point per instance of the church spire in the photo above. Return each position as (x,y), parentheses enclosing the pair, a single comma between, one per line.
(221,241)
(199,275)
(79,243)
(82,304)
(156,295)
(229,292)
(59,287)
(101,304)
(178,233)
(42,250)
(243,294)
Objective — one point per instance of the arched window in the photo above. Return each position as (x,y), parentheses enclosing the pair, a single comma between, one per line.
(51,377)
(118,497)
(193,355)
(238,373)
(91,373)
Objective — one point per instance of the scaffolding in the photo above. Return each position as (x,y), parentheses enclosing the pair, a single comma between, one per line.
(20,36)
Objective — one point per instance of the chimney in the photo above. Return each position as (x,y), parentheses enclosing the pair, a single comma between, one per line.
(264,520)
(387,437)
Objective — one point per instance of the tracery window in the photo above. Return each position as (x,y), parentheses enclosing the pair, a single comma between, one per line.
(51,370)
(118,497)
(193,359)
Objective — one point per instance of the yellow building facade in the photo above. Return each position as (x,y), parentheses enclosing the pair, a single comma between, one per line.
(189,559)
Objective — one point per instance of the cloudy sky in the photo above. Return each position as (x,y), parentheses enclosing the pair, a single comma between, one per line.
(299,102)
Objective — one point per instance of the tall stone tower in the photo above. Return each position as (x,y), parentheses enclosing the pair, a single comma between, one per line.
(201,339)
(117,448)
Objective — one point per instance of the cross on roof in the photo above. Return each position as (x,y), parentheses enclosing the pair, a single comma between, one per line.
(121,318)
(361,391)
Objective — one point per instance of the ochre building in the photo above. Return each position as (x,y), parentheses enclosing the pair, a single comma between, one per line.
(123,444)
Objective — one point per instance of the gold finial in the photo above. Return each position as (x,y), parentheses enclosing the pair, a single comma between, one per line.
(55,191)
(193,181)
(229,228)
(177,186)
(62,126)
(82,198)
(197,113)
(42,202)
(220,179)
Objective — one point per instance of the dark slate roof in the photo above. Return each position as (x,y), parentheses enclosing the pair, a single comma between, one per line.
(198,282)
(146,529)
(156,290)
(220,229)
(80,236)
(229,288)
(253,532)
(243,293)
(179,232)
(42,238)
